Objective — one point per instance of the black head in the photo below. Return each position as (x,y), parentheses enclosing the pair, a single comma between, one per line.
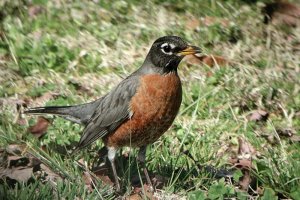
(167,52)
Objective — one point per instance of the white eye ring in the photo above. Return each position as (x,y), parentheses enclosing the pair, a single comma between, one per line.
(167,48)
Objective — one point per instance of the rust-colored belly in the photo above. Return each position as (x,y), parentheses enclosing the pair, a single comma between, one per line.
(154,108)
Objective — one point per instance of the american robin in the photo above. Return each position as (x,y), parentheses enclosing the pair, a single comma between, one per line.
(139,109)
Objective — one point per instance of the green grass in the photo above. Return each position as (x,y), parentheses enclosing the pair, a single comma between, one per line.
(96,44)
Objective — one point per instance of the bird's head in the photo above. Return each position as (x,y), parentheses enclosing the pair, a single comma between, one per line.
(167,52)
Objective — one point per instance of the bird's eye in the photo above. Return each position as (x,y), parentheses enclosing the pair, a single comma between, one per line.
(166,48)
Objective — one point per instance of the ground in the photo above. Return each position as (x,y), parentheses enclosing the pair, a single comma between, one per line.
(240,110)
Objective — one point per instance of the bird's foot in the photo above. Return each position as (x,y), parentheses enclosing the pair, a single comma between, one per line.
(149,182)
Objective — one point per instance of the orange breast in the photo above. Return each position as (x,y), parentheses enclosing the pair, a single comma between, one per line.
(154,108)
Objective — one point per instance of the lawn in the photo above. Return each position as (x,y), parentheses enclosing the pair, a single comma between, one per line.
(240,111)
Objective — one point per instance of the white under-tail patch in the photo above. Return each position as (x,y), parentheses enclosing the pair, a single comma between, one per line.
(111,153)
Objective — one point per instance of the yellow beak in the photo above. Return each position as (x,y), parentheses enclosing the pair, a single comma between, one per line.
(189,50)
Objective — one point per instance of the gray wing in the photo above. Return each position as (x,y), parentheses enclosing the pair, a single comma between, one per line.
(112,111)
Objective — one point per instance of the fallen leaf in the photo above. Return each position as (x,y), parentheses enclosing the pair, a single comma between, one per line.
(209,60)
(138,193)
(282,13)
(246,150)
(244,164)
(102,172)
(192,60)
(246,180)
(134,197)
(87,178)
(159,181)
(232,160)
(210,21)
(260,190)
(295,138)
(50,175)
(192,23)
(20,174)
(82,162)
(36,35)
(23,169)
(243,161)
(34,10)
(258,115)
(296,47)
(40,128)
(212,60)
(17,106)
(17,168)
(82,89)
(12,102)
(22,121)
(15,149)
(272,139)
(286,132)
(17,161)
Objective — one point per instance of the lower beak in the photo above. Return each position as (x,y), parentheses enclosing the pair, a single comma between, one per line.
(190,50)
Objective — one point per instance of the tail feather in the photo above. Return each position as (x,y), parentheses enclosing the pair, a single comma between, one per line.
(62,111)
(56,110)
(78,114)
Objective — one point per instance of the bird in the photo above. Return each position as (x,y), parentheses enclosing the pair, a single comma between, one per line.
(138,110)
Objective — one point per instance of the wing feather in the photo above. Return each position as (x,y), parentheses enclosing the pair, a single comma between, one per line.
(112,111)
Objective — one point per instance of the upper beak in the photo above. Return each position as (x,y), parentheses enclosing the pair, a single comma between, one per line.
(189,50)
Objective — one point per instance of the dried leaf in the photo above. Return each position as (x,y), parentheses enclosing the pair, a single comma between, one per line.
(20,174)
(232,160)
(246,150)
(210,21)
(193,60)
(159,181)
(272,139)
(296,47)
(34,10)
(209,60)
(102,173)
(260,190)
(246,180)
(49,174)
(213,60)
(244,164)
(24,168)
(258,115)
(22,121)
(17,168)
(286,132)
(134,197)
(15,149)
(192,23)
(87,178)
(282,13)
(138,193)
(295,138)
(12,102)
(81,88)
(17,161)
(40,128)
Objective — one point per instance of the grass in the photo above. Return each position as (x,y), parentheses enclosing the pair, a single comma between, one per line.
(80,50)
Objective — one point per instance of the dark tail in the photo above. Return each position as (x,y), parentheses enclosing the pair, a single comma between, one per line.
(79,114)
(56,110)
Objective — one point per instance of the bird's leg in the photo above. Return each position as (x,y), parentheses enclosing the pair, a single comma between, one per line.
(141,159)
(111,156)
